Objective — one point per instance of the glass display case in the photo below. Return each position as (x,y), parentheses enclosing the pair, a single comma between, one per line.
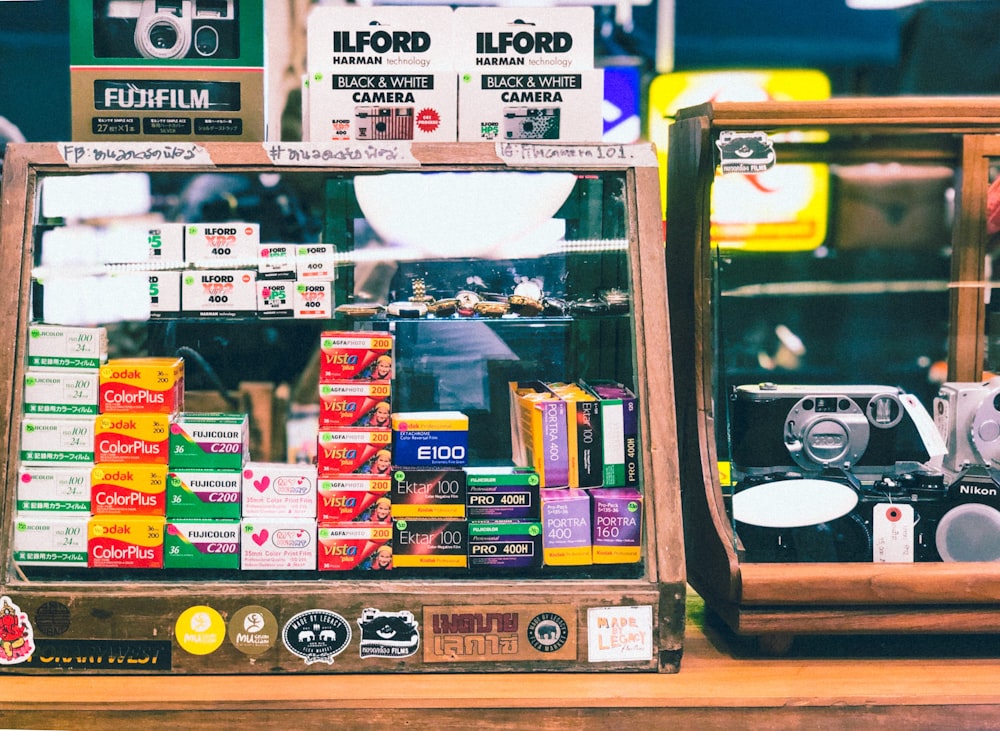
(290,408)
(829,266)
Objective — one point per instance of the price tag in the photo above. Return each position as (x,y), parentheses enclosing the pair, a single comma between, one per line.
(892,533)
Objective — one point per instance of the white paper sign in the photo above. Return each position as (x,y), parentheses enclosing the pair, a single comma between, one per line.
(892,533)
(616,634)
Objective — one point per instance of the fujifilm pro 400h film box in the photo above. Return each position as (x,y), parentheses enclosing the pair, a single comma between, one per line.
(167,70)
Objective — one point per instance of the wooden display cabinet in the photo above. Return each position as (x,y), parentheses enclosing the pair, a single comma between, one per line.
(895,298)
(617,617)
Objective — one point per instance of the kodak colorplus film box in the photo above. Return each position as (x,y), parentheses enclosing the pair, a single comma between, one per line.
(355,403)
(125,542)
(355,546)
(54,489)
(278,544)
(201,544)
(57,440)
(56,347)
(131,438)
(222,245)
(128,489)
(430,438)
(617,516)
(167,72)
(73,393)
(204,494)
(540,432)
(527,74)
(277,489)
(353,450)
(350,355)
(347,498)
(50,540)
(380,73)
(209,441)
(430,543)
(566,527)
(428,492)
(130,385)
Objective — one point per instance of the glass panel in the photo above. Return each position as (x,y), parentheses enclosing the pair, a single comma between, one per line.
(273,290)
(829,362)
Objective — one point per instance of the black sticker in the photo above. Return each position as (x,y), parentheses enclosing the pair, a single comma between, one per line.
(317,635)
(52,618)
(388,634)
(745,152)
(547,632)
(118,655)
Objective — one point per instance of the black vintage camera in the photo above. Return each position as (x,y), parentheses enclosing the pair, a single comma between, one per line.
(956,521)
(866,430)
(166,29)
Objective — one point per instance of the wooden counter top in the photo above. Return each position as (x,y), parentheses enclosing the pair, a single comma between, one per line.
(919,682)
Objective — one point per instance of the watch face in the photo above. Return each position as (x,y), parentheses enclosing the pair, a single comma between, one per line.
(467,302)
(529,289)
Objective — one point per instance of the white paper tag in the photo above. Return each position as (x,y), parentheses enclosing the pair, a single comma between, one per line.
(616,634)
(892,533)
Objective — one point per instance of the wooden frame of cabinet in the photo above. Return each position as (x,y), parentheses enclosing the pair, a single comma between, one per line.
(776,601)
(101,616)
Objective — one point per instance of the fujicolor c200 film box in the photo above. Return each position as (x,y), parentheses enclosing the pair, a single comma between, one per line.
(153,71)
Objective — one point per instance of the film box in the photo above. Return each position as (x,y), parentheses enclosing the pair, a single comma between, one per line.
(276,261)
(380,73)
(619,432)
(209,441)
(164,294)
(128,489)
(430,543)
(540,432)
(50,540)
(349,355)
(617,520)
(125,542)
(167,72)
(131,437)
(354,498)
(278,544)
(118,243)
(131,385)
(355,546)
(505,544)
(312,300)
(353,450)
(229,245)
(275,298)
(566,527)
(54,489)
(528,74)
(204,494)
(55,347)
(57,440)
(219,293)
(430,438)
(355,403)
(428,492)
(316,262)
(583,421)
(277,489)
(65,393)
(201,544)
(502,493)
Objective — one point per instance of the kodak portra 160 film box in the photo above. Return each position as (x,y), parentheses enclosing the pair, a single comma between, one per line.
(154,71)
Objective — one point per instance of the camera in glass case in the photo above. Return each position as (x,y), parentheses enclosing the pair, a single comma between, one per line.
(968,417)
(166,29)
(866,429)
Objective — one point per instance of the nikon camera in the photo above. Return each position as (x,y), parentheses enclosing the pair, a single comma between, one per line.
(166,29)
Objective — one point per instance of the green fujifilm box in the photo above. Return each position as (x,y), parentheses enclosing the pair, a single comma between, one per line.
(167,70)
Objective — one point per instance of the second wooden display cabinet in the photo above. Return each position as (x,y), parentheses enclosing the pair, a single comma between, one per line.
(830,274)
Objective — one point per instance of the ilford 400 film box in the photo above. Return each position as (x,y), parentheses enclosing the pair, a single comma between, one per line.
(145,70)
(380,73)
(528,74)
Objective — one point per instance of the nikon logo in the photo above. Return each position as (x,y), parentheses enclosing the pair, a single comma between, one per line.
(398,41)
(134,97)
(977,490)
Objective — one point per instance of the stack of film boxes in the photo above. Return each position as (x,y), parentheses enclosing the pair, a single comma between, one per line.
(434,74)
(582,439)
(354,451)
(154,71)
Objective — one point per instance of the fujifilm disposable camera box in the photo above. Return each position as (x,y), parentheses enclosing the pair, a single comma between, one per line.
(527,74)
(380,73)
(157,71)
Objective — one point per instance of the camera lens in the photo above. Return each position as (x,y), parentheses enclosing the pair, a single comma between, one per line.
(162,36)
(206,41)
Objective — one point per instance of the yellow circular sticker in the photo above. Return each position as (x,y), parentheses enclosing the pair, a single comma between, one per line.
(200,630)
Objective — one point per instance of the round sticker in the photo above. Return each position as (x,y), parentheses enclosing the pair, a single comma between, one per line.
(200,630)
(317,635)
(548,632)
(253,630)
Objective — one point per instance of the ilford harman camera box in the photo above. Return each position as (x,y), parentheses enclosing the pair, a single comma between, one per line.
(152,70)
(527,74)
(380,73)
